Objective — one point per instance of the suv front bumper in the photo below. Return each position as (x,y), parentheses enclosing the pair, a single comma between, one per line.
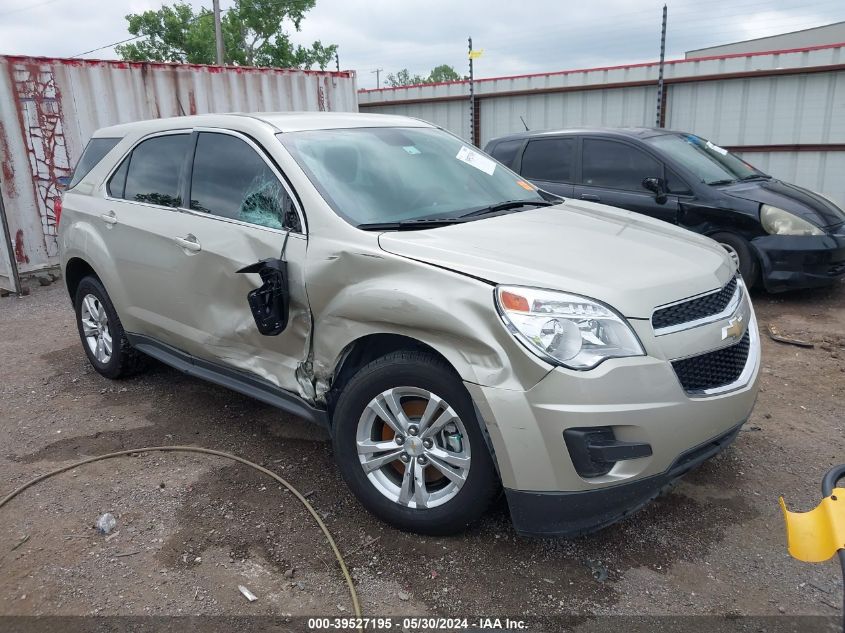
(642,401)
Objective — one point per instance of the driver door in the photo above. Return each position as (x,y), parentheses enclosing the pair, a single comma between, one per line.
(241,212)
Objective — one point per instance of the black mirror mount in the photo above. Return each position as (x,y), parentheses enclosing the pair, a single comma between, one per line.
(658,186)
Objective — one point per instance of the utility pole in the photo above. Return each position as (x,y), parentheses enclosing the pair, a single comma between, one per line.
(377,71)
(471,98)
(660,114)
(218,33)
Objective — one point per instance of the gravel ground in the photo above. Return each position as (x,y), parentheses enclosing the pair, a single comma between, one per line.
(191,528)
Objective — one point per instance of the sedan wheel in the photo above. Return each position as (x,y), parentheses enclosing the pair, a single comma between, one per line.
(95,328)
(413,447)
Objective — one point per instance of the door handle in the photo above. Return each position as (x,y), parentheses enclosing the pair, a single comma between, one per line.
(109,218)
(189,243)
(591,197)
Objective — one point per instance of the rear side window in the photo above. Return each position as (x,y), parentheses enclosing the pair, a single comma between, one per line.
(505,152)
(617,165)
(151,172)
(549,159)
(94,152)
(231,180)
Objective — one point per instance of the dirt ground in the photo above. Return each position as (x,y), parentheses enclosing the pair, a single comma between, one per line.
(191,528)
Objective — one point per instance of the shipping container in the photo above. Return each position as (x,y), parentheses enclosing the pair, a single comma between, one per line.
(50,107)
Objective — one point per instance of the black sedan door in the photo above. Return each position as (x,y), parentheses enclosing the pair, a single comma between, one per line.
(612,172)
(550,164)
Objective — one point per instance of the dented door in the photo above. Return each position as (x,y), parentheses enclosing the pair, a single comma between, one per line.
(242,212)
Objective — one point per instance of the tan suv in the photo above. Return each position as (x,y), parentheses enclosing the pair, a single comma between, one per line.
(456,330)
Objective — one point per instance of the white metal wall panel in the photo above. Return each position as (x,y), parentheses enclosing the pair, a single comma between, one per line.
(615,107)
(450,115)
(779,110)
(818,171)
(49,108)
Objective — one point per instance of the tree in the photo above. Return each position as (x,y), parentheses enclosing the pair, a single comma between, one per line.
(253,35)
(444,72)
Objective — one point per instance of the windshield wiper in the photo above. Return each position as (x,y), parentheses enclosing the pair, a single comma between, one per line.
(726,181)
(410,225)
(755,177)
(505,206)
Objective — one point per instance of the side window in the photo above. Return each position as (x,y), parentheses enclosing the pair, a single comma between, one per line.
(231,180)
(505,152)
(549,159)
(93,153)
(153,170)
(117,182)
(617,165)
(675,184)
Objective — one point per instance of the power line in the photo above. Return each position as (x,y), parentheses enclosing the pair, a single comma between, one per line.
(138,37)
(27,8)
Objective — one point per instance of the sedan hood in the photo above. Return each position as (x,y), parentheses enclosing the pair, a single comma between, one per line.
(629,261)
(797,200)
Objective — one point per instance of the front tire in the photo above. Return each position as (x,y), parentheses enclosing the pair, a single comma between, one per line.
(741,252)
(102,334)
(408,444)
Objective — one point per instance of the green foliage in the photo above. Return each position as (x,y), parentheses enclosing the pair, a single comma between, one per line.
(253,35)
(444,72)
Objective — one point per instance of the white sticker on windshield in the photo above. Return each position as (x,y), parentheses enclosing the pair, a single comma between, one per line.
(716,148)
(411,149)
(479,161)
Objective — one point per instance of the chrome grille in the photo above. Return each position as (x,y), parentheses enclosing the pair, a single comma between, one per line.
(694,309)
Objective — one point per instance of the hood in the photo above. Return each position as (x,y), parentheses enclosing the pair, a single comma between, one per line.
(626,260)
(797,200)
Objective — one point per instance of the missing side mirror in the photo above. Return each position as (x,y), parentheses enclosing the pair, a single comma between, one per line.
(269,302)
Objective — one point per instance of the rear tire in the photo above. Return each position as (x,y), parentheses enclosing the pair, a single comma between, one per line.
(102,334)
(740,250)
(441,477)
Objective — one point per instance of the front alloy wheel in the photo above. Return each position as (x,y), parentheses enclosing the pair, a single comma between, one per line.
(409,445)
(95,328)
(413,448)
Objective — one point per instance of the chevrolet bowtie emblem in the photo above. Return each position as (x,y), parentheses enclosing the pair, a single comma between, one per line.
(733,329)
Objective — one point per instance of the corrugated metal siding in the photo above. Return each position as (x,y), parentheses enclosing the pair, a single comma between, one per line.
(613,107)
(450,115)
(791,109)
(50,107)
(823,172)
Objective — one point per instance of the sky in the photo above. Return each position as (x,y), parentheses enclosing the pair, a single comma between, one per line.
(517,38)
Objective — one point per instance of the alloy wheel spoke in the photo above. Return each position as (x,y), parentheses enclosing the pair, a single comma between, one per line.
(420,492)
(434,403)
(453,459)
(98,352)
(395,406)
(89,328)
(377,462)
(442,420)
(386,416)
(107,343)
(90,306)
(458,477)
(367,447)
(406,491)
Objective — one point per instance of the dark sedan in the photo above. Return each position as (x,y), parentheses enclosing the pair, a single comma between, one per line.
(781,234)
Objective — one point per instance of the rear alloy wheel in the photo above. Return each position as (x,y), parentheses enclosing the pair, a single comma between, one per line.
(408,444)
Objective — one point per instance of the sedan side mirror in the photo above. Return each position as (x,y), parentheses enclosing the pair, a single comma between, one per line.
(658,186)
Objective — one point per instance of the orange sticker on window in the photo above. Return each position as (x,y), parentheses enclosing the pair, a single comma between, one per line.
(526,185)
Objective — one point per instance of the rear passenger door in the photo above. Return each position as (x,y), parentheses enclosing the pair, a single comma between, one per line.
(241,211)
(612,172)
(139,227)
(550,164)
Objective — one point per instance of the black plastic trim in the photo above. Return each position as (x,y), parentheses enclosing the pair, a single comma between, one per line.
(242,382)
(571,514)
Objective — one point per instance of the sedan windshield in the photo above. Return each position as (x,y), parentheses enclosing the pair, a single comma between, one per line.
(382,175)
(710,163)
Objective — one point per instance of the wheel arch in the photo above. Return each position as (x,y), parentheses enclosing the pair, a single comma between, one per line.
(76,270)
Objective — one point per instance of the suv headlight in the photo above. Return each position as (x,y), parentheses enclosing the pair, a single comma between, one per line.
(776,221)
(564,329)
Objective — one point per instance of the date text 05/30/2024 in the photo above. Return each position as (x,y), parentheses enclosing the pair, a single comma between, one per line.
(415,624)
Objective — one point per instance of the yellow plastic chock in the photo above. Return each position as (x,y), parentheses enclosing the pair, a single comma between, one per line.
(815,536)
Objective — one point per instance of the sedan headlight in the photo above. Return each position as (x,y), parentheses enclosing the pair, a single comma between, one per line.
(776,221)
(565,329)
